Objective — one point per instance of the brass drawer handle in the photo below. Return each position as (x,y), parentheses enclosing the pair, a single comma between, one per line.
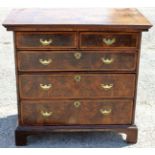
(109,41)
(45,87)
(46,42)
(46,114)
(77,104)
(106,86)
(77,55)
(77,78)
(107,61)
(105,111)
(45,62)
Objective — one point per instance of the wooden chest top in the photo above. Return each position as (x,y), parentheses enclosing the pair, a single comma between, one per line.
(115,18)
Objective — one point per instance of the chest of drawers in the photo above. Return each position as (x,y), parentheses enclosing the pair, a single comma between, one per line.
(76,69)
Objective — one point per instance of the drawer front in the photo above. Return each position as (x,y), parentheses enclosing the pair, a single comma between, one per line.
(48,40)
(108,40)
(76,86)
(66,112)
(76,61)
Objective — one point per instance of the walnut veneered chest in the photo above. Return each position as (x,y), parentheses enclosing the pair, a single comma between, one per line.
(76,69)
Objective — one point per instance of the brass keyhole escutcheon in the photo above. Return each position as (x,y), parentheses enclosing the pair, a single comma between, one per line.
(77,55)
(77,104)
(77,78)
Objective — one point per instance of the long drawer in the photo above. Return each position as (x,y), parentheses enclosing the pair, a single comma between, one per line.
(67,112)
(76,61)
(76,86)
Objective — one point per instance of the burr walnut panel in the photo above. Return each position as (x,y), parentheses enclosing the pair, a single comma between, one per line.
(76,86)
(48,40)
(69,112)
(76,61)
(102,40)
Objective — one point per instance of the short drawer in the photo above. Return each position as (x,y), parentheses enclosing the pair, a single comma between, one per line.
(104,40)
(67,112)
(76,86)
(48,40)
(76,61)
